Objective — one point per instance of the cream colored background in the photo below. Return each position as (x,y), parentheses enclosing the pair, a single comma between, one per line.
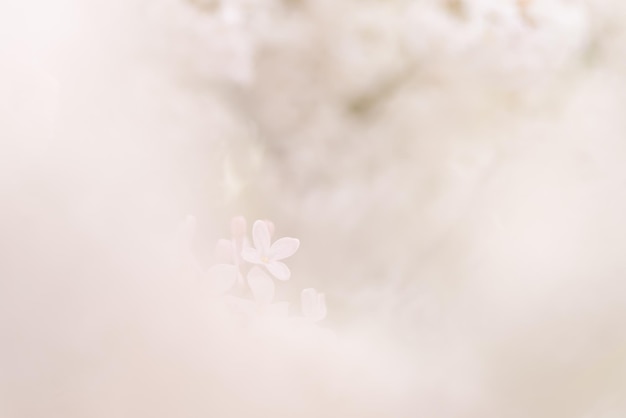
(454,171)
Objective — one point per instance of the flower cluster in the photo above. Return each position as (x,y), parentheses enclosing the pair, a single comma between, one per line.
(259,262)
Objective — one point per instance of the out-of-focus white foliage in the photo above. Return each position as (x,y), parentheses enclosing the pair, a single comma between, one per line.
(454,169)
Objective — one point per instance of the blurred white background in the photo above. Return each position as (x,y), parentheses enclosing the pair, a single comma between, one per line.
(454,170)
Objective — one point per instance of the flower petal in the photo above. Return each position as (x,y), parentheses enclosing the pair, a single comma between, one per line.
(283,248)
(222,277)
(251,255)
(261,237)
(279,270)
(261,285)
(270,226)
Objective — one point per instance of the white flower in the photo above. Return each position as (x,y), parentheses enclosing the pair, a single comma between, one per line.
(262,288)
(313,305)
(267,254)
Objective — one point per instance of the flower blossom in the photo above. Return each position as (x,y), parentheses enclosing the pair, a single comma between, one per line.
(262,289)
(267,254)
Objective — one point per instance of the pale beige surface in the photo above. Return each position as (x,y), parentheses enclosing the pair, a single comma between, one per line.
(454,172)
